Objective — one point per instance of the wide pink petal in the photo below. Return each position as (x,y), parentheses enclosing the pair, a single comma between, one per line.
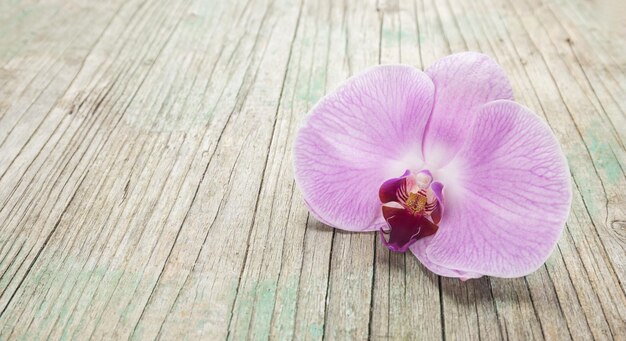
(419,249)
(507,196)
(367,131)
(463,82)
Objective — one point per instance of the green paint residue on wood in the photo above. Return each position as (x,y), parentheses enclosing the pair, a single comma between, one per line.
(390,38)
(261,302)
(24,23)
(318,83)
(243,309)
(266,297)
(576,158)
(63,299)
(316,331)
(314,90)
(287,318)
(605,161)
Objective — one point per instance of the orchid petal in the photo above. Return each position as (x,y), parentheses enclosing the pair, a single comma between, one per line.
(507,197)
(463,82)
(368,130)
(419,249)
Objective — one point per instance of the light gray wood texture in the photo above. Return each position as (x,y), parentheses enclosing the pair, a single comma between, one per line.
(146,185)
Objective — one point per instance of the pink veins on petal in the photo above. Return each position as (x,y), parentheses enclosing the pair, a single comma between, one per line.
(411,209)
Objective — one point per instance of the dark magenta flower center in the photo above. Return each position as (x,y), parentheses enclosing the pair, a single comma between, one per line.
(412,207)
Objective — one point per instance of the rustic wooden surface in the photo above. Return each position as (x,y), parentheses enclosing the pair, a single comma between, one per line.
(146,185)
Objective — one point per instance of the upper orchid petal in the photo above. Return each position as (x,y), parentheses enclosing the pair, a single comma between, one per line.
(363,133)
(507,197)
(463,82)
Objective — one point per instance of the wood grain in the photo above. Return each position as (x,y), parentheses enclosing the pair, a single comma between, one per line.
(146,184)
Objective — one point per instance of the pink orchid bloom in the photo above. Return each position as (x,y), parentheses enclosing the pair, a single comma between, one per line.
(441,162)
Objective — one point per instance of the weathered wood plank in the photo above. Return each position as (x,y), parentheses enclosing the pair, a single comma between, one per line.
(146,182)
(399,281)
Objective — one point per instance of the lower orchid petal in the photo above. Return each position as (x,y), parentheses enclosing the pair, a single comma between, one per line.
(463,81)
(419,250)
(357,137)
(510,199)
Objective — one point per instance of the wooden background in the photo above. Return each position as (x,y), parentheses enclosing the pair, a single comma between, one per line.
(146,186)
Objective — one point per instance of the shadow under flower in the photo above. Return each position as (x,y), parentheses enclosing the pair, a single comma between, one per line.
(482,293)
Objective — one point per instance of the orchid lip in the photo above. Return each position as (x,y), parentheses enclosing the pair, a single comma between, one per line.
(412,207)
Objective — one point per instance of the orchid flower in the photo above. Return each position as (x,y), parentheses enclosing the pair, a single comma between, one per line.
(442,163)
